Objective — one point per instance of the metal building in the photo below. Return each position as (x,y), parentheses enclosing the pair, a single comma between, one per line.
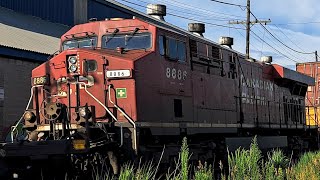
(68,12)
(25,42)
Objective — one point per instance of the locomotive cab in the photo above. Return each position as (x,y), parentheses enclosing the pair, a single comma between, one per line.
(91,81)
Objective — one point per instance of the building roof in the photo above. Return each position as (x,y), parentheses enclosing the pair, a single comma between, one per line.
(29,33)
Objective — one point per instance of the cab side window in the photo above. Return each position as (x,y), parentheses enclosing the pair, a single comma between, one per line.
(172,48)
(162,45)
(182,51)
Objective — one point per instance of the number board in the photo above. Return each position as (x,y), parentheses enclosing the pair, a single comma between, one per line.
(118,73)
(43,80)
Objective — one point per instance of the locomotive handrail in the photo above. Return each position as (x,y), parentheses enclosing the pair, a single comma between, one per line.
(110,113)
(16,125)
(127,117)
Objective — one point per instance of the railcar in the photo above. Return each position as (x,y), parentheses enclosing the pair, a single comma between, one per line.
(125,88)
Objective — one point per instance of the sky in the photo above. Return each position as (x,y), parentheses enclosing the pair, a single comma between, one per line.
(295,25)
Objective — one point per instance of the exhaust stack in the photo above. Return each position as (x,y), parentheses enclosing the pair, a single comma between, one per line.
(197,28)
(226,41)
(266,59)
(157,11)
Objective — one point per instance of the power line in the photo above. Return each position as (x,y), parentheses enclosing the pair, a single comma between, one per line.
(193,8)
(213,24)
(288,38)
(273,47)
(231,4)
(182,17)
(196,14)
(280,40)
(219,25)
(287,50)
(248,23)
(282,48)
(245,38)
(290,23)
(271,39)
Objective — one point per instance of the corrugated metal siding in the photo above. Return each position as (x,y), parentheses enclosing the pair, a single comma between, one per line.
(16,82)
(27,40)
(29,33)
(101,11)
(58,11)
(80,11)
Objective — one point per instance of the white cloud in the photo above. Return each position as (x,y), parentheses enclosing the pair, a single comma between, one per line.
(290,10)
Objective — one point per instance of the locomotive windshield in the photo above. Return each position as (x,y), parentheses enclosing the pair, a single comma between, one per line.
(86,42)
(127,41)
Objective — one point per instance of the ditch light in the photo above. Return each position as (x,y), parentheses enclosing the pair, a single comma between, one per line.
(79,144)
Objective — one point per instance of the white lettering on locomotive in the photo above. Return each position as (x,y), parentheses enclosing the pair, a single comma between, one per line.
(256,91)
(176,73)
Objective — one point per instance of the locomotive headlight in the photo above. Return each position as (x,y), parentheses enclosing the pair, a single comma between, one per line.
(72,59)
(73,68)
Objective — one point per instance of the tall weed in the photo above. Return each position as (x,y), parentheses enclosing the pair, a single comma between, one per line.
(245,164)
(203,172)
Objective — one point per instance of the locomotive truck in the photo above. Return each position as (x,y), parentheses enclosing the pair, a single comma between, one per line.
(126,88)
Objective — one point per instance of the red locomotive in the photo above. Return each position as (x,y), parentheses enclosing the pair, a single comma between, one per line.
(126,87)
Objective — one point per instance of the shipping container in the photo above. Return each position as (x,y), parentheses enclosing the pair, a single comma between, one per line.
(313,95)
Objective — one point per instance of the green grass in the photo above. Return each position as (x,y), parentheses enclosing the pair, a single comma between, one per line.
(203,172)
(275,166)
(308,167)
(244,164)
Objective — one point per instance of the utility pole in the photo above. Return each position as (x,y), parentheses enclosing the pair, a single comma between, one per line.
(248,23)
(248,31)
(316,53)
